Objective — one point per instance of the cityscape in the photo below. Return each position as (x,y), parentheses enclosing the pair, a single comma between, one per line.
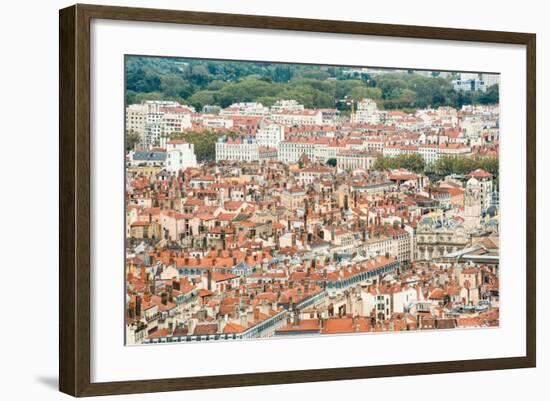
(270,200)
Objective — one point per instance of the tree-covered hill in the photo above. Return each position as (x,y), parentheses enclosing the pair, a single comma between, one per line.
(208,82)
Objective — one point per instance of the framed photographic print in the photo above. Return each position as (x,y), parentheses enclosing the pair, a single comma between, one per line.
(334,200)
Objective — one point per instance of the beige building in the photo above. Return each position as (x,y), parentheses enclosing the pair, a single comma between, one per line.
(437,236)
(350,159)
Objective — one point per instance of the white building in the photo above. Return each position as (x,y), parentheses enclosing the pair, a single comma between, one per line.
(302,117)
(481,184)
(403,298)
(245,109)
(490,79)
(179,155)
(270,134)
(243,149)
(316,149)
(351,159)
(174,122)
(216,122)
(430,153)
(454,149)
(376,302)
(391,151)
(366,113)
(153,131)
(376,246)
(137,115)
(469,82)
(309,174)
(290,105)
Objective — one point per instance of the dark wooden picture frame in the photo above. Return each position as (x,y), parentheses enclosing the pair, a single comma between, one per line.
(74,200)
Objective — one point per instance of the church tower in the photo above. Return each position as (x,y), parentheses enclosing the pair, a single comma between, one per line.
(472,209)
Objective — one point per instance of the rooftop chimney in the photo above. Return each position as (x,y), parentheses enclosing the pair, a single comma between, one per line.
(138,306)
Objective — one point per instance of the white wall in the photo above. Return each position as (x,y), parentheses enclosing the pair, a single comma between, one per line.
(29,73)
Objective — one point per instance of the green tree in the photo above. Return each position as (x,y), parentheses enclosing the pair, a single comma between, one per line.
(202,98)
(362,92)
(131,139)
(331,162)
(174,86)
(222,83)
(413,162)
(491,96)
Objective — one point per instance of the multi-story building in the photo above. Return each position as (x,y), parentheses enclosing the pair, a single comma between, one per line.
(454,149)
(179,155)
(210,121)
(481,183)
(288,105)
(245,109)
(430,153)
(299,117)
(367,112)
(174,122)
(437,236)
(242,148)
(292,149)
(307,175)
(144,119)
(135,118)
(270,134)
(153,132)
(351,159)
(469,83)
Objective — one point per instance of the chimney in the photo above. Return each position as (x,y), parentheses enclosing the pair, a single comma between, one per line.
(164,298)
(131,309)
(138,306)
(209,280)
(256,314)
(244,319)
(170,293)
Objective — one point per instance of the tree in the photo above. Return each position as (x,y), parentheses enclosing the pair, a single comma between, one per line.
(282,73)
(462,165)
(202,98)
(222,83)
(362,92)
(197,74)
(413,162)
(491,96)
(175,86)
(331,162)
(131,140)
